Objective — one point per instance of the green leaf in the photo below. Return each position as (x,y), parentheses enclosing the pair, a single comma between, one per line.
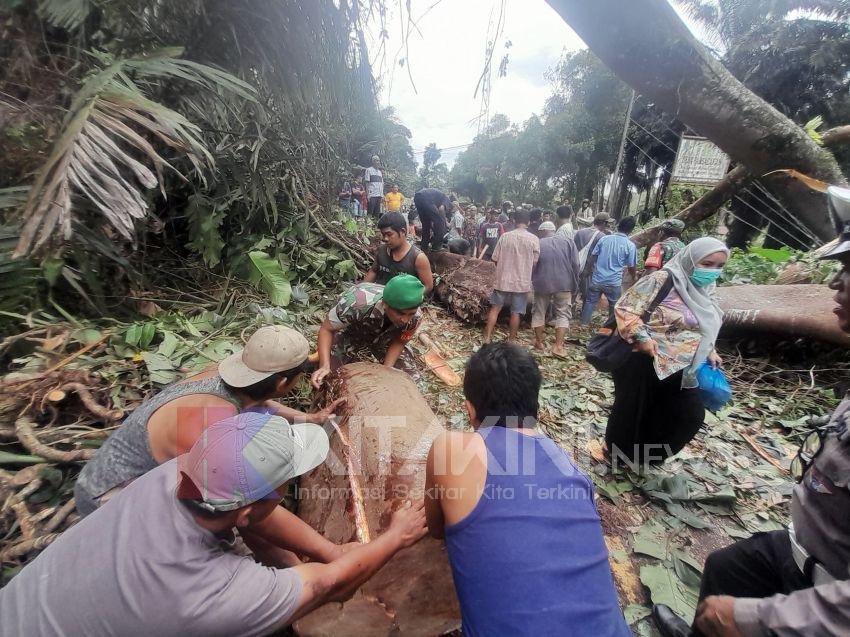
(52,268)
(7,457)
(691,519)
(87,336)
(147,335)
(650,540)
(168,345)
(687,569)
(664,588)
(160,369)
(347,269)
(635,612)
(271,278)
(133,335)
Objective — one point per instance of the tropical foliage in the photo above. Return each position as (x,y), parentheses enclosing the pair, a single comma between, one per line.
(248,116)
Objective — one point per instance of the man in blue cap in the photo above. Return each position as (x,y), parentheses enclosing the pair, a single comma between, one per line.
(795,581)
(155,559)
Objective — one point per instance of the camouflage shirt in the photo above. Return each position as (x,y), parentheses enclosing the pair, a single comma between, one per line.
(362,308)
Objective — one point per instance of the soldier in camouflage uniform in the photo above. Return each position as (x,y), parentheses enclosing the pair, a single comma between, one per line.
(373,318)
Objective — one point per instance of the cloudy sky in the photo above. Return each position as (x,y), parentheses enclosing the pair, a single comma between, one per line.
(446,58)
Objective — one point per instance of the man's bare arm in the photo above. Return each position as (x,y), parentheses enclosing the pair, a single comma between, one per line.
(339,580)
(286,530)
(433,506)
(423,271)
(393,352)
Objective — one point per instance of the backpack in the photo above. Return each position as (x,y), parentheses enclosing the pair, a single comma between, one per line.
(607,351)
(584,253)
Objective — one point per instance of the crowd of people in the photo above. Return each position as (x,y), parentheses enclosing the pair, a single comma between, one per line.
(205,461)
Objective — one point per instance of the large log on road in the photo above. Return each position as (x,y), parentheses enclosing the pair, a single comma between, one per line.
(792,310)
(377,461)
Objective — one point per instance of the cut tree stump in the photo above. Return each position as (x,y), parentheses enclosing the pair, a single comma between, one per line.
(803,310)
(388,428)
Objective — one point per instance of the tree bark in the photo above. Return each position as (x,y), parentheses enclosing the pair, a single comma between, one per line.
(702,208)
(376,462)
(649,47)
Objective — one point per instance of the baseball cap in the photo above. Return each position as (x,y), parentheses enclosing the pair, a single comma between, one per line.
(270,350)
(601,217)
(839,212)
(244,458)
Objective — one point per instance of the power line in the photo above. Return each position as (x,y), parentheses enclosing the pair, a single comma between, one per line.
(672,150)
(746,223)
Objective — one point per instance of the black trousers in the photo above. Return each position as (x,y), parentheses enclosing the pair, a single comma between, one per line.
(432,221)
(375,207)
(760,566)
(651,419)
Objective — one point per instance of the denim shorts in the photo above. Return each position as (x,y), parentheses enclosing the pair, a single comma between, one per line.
(518,301)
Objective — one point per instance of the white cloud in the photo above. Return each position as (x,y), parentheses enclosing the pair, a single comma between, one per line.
(446,59)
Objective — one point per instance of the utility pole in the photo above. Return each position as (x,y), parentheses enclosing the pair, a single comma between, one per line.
(616,182)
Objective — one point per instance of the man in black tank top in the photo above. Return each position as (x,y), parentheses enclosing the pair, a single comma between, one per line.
(397,256)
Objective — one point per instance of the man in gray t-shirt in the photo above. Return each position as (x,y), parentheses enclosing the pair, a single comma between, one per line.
(155,559)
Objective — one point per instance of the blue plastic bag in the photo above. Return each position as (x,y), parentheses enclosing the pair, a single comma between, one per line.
(714,389)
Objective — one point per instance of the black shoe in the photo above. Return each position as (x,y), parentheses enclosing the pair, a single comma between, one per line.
(669,624)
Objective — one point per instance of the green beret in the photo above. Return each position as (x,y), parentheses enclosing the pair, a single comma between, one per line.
(404,292)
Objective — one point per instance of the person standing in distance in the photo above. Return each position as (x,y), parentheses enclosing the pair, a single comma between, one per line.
(431,206)
(375,187)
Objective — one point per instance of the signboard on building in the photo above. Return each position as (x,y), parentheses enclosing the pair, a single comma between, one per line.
(699,162)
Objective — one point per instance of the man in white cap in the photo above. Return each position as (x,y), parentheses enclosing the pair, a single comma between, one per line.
(167,424)
(155,559)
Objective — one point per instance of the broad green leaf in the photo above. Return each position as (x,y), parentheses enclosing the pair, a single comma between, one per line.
(635,612)
(87,336)
(664,588)
(268,274)
(691,519)
(133,335)
(651,540)
(160,369)
(168,345)
(147,335)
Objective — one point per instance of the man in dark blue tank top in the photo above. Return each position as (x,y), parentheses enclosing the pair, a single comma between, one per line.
(521,527)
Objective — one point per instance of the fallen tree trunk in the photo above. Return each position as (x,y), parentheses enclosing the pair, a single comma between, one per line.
(649,47)
(702,208)
(792,310)
(385,436)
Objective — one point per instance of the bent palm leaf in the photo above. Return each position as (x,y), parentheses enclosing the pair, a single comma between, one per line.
(105,132)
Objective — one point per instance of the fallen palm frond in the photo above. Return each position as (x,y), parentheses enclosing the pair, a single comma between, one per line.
(103,133)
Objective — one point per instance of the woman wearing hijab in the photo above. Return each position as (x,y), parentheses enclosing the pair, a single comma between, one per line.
(657,408)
